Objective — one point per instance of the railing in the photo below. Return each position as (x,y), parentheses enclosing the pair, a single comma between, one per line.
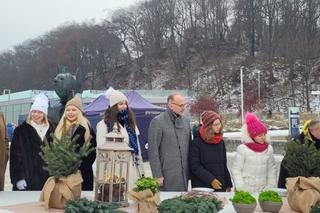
(278,145)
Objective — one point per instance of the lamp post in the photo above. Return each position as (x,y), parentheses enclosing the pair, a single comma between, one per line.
(259,99)
(241,83)
(7,92)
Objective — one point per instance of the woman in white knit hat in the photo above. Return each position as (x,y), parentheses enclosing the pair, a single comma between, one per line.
(120,115)
(26,165)
(73,124)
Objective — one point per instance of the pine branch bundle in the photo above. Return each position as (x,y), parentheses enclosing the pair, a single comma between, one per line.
(302,159)
(63,157)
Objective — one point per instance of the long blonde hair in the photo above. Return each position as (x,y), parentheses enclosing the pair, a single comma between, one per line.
(45,118)
(81,120)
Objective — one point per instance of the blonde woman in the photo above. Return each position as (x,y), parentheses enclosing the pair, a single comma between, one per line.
(26,165)
(73,123)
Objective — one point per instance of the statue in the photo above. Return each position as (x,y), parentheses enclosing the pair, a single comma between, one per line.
(66,86)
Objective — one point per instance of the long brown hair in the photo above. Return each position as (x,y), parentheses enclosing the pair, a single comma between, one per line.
(209,131)
(111,117)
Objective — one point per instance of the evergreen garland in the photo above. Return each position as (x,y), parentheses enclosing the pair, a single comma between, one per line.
(316,208)
(302,159)
(84,205)
(193,204)
(63,157)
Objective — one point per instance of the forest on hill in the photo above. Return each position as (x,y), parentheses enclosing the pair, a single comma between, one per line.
(185,44)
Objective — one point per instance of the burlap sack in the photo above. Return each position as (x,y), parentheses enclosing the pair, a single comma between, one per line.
(57,191)
(303,193)
(145,200)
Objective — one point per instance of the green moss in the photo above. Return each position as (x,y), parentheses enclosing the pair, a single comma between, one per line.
(269,196)
(243,197)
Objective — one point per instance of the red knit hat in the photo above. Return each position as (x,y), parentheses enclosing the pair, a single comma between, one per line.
(208,117)
(254,125)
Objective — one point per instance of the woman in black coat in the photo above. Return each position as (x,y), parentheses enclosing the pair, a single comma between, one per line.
(207,155)
(74,124)
(26,165)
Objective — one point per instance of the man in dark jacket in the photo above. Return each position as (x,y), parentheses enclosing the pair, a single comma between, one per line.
(168,138)
(310,131)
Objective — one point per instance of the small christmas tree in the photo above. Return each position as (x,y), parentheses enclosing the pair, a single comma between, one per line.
(63,157)
(302,159)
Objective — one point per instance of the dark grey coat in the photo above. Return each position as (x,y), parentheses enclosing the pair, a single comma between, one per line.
(168,138)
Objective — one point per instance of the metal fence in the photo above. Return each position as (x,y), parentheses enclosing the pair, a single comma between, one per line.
(278,145)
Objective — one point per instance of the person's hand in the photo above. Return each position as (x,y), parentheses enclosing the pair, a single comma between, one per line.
(216,184)
(21,184)
(160,181)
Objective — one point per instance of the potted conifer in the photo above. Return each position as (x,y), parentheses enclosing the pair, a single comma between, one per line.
(62,158)
(270,201)
(302,163)
(243,202)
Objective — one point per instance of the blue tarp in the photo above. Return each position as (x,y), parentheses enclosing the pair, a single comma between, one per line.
(144,111)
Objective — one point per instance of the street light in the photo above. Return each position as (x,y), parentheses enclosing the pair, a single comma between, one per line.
(241,83)
(259,87)
(7,92)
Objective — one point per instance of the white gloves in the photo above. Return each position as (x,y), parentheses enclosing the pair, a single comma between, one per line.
(21,184)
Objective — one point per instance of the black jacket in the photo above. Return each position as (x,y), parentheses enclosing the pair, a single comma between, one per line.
(86,165)
(207,162)
(25,161)
(283,171)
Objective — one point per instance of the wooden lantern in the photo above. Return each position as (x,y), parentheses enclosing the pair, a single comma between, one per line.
(113,160)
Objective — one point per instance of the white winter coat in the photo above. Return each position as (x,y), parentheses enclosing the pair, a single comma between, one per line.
(133,170)
(253,171)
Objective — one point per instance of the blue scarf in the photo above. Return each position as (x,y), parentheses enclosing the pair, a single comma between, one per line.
(123,118)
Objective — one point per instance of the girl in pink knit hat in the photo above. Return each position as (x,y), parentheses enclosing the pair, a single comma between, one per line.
(254,167)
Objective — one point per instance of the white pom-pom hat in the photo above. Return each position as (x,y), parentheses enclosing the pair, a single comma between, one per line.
(115,96)
(40,103)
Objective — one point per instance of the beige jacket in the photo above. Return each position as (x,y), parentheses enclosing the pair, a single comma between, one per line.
(4,150)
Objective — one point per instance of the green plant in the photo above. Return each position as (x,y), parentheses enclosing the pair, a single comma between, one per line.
(84,205)
(269,196)
(63,157)
(316,208)
(243,197)
(302,159)
(195,203)
(144,183)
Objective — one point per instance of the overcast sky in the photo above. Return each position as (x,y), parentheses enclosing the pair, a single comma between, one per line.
(21,20)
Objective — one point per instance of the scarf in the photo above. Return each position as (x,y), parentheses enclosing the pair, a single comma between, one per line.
(217,138)
(41,129)
(123,118)
(257,147)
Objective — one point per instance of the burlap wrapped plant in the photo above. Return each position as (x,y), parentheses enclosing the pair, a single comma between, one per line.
(146,195)
(303,185)
(63,158)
